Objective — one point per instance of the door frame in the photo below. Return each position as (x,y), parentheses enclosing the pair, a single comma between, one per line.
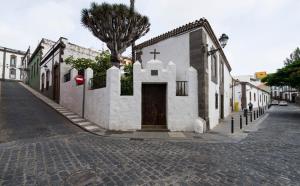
(165,85)
(56,86)
(221,106)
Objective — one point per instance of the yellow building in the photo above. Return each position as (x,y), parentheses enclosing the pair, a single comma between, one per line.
(260,75)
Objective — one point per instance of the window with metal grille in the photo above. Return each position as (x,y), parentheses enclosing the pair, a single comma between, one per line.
(67,76)
(181,88)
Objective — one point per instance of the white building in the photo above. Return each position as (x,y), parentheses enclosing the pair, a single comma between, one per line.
(245,92)
(190,46)
(10,63)
(284,93)
(55,73)
(248,78)
(24,66)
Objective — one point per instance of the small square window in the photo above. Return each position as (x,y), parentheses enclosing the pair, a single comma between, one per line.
(154,72)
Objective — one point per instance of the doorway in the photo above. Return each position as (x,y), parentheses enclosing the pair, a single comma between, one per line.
(56,83)
(154,106)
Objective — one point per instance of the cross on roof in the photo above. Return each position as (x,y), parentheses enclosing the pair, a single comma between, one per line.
(154,53)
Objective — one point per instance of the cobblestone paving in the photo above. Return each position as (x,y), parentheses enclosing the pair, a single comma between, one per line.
(270,156)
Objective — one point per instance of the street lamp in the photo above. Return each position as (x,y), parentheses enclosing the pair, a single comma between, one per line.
(223,42)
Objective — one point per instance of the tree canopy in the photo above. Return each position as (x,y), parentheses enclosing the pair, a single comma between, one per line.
(115,24)
(289,75)
(99,65)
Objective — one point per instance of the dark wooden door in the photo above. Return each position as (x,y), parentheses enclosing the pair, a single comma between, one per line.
(222,107)
(56,84)
(154,106)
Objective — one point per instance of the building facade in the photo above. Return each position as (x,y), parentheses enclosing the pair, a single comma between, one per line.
(24,66)
(189,46)
(54,72)
(10,63)
(245,93)
(286,93)
(34,63)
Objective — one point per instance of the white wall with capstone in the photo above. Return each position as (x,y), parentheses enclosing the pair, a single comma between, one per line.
(125,111)
(96,102)
(71,95)
(109,109)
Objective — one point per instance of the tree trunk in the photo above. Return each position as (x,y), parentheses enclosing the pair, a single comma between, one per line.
(133,52)
(115,60)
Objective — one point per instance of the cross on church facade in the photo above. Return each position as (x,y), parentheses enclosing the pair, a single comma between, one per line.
(154,53)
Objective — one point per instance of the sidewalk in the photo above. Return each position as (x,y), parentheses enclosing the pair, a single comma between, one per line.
(221,133)
(225,126)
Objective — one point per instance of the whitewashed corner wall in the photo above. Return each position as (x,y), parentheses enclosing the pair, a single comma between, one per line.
(125,111)
(107,108)
(96,103)
(71,95)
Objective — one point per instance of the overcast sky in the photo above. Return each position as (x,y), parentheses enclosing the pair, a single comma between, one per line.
(262,32)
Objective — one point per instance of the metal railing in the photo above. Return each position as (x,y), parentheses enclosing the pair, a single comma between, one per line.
(98,81)
(181,88)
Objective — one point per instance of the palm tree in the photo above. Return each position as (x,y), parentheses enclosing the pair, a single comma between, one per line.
(115,24)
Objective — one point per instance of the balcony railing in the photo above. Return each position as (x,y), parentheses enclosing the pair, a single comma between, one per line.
(181,88)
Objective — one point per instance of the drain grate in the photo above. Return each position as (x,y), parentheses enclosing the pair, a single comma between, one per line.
(82,177)
(246,131)
(137,139)
(197,137)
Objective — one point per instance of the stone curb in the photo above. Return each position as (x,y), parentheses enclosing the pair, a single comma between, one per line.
(71,116)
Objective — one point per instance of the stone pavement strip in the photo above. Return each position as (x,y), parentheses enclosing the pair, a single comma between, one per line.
(71,116)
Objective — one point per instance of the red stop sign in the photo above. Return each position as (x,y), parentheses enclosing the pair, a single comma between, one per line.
(79,79)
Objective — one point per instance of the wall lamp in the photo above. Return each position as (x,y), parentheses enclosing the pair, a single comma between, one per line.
(223,41)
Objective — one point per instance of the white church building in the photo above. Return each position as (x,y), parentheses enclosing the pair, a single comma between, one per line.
(195,45)
(181,82)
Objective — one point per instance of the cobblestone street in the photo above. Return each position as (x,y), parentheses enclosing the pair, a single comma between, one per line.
(269,156)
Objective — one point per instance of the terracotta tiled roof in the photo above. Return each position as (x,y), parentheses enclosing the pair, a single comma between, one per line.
(185,28)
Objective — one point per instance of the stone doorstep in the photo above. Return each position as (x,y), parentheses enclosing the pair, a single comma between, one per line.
(73,116)
(78,119)
(176,135)
(65,112)
(83,123)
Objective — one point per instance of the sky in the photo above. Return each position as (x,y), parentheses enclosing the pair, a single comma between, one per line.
(262,33)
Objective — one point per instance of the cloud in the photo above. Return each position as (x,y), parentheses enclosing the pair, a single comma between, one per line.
(262,32)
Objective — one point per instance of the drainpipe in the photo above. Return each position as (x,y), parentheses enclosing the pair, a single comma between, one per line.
(83,97)
(3,68)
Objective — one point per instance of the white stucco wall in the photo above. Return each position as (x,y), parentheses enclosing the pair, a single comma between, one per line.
(125,111)
(169,51)
(71,95)
(227,92)
(107,108)
(96,103)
